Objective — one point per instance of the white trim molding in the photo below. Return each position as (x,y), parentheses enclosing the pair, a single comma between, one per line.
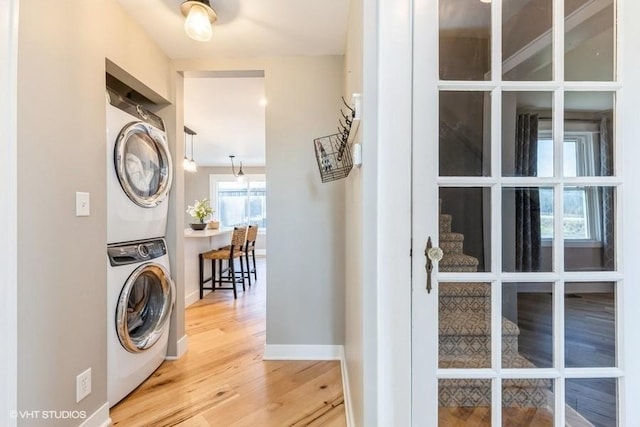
(181,348)
(346,389)
(192,298)
(8,211)
(99,418)
(302,352)
(316,352)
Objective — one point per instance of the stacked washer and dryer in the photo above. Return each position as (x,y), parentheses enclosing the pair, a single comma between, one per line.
(140,291)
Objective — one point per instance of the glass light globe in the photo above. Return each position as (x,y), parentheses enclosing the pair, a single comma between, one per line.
(197,25)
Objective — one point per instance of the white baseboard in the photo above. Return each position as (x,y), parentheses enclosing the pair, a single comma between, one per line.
(261,253)
(99,418)
(346,389)
(301,352)
(181,349)
(315,352)
(193,297)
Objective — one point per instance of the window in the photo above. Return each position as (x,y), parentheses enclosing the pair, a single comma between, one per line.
(581,204)
(239,203)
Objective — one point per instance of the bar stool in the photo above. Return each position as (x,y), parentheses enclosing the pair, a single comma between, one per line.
(250,247)
(228,253)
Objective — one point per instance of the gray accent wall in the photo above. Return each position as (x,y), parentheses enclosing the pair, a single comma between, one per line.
(62,259)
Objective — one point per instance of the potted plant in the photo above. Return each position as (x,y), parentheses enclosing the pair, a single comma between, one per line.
(200,210)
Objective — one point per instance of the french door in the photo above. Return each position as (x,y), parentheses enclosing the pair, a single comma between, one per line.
(518,177)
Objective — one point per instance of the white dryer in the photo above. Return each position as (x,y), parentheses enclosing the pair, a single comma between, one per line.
(139,172)
(140,295)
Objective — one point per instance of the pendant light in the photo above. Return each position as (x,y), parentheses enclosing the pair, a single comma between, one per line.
(240,175)
(189,164)
(199,17)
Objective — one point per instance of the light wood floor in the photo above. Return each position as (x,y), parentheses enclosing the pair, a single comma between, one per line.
(222,380)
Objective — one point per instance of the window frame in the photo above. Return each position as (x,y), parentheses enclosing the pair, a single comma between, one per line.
(582,134)
(214,179)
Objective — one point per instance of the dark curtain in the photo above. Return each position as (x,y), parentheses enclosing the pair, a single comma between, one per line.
(606,196)
(528,240)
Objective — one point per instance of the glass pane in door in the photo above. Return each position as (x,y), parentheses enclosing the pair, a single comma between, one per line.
(589,40)
(527,138)
(464,325)
(592,402)
(527,402)
(527,325)
(465,229)
(527,229)
(589,228)
(465,134)
(590,325)
(464,402)
(527,40)
(588,134)
(465,40)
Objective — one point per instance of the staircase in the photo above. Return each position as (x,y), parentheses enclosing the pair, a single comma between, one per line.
(465,338)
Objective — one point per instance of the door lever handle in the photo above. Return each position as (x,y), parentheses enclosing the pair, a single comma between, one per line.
(432,255)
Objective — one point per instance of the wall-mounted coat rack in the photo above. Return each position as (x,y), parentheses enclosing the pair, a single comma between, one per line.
(333,152)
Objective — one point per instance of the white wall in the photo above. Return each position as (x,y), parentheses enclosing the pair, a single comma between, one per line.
(61,114)
(305,266)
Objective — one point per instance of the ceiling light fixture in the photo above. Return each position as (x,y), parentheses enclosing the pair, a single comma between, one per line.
(240,175)
(199,17)
(485,1)
(189,164)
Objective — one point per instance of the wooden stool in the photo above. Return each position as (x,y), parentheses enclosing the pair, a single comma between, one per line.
(229,253)
(250,247)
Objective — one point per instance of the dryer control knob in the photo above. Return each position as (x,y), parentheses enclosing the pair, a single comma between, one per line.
(143,250)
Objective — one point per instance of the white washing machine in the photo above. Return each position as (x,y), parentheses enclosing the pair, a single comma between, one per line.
(140,295)
(139,172)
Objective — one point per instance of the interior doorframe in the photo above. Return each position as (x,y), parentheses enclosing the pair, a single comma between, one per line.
(393,209)
(8,211)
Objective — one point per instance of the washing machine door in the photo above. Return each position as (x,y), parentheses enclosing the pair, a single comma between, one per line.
(144,307)
(143,164)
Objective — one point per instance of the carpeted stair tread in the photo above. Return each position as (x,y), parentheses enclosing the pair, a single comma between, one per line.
(445,223)
(516,392)
(452,247)
(459,323)
(458,263)
(463,289)
(451,237)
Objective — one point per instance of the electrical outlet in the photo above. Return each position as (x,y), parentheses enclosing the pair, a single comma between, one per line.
(83,385)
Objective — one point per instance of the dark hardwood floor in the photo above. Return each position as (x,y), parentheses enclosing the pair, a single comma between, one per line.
(589,342)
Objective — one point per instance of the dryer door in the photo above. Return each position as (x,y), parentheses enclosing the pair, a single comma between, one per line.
(144,307)
(143,164)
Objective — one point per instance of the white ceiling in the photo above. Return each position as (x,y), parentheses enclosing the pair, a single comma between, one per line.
(226,112)
(248,28)
(228,115)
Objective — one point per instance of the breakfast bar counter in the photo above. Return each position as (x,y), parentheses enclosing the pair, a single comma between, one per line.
(195,243)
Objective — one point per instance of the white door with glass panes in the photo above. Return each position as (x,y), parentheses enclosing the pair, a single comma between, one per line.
(521,132)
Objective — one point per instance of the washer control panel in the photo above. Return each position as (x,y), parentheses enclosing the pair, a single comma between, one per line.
(136,252)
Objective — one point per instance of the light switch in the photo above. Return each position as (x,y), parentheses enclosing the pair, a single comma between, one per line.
(83,207)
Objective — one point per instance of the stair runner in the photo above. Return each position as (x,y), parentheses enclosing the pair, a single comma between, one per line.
(465,338)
